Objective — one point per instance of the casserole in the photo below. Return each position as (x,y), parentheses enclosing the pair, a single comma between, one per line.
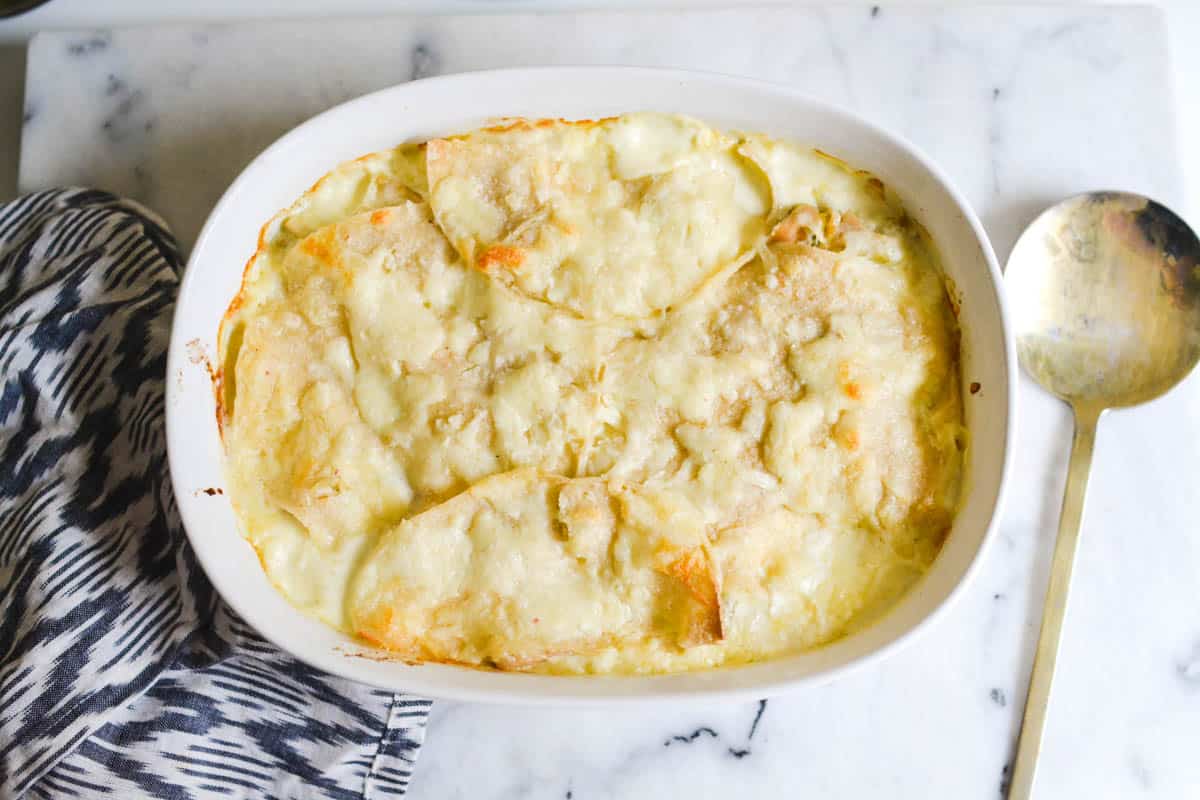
(433,107)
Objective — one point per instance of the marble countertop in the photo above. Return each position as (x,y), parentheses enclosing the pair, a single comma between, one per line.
(1182,21)
(1021,105)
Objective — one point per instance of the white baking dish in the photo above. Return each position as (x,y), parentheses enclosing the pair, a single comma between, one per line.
(427,108)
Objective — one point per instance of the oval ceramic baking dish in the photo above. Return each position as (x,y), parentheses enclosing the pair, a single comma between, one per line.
(437,106)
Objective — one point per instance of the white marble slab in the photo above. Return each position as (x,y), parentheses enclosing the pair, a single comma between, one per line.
(1021,105)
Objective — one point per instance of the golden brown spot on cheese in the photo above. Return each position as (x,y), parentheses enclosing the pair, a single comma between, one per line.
(380,217)
(833,232)
(319,249)
(849,438)
(798,225)
(692,569)
(510,125)
(376,628)
(262,560)
(500,256)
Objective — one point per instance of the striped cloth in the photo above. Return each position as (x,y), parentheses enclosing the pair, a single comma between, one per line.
(122,674)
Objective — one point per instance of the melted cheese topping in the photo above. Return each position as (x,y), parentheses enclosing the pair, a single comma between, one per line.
(627,396)
(523,567)
(559,211)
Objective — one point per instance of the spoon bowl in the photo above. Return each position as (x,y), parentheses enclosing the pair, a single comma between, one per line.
(1105,292)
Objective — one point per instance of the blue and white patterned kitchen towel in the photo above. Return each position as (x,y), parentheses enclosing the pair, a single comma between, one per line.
(122,674)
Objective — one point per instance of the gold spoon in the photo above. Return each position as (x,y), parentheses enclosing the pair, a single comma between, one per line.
(1105,291)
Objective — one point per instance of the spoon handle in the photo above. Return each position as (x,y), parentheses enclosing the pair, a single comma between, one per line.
(1030,741)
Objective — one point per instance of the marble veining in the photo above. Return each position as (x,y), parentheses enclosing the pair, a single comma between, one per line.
(733,750)
(1020,105)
